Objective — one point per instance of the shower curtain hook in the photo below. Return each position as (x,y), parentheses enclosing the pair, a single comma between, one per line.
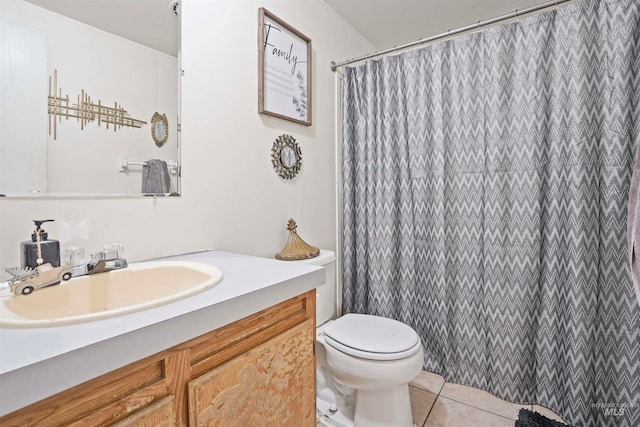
(478,24)
(516,12)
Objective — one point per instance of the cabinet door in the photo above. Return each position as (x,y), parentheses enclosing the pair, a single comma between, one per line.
(272,384)
(149,392)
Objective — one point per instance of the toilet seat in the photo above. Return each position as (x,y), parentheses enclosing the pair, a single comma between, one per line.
(372,337)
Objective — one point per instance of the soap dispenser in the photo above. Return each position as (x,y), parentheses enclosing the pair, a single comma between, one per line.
(40,249)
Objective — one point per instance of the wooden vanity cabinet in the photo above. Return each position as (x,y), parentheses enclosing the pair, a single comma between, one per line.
(257,371)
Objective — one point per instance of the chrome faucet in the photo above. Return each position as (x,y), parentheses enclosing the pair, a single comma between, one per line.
(27,280)
(106,260)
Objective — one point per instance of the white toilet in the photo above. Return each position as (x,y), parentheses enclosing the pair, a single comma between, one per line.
(364,363)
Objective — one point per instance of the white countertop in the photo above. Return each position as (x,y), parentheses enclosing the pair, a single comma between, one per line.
(37,363)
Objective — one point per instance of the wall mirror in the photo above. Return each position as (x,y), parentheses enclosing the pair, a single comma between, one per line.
(81,84)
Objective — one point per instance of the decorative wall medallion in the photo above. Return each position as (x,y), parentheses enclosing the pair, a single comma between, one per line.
(159,128)
(286,157)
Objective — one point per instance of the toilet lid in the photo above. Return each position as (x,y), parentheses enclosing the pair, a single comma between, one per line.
(372,337)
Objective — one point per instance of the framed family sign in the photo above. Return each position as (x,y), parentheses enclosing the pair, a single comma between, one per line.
(284,66)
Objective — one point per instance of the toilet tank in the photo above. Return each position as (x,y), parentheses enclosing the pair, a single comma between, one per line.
(325,294)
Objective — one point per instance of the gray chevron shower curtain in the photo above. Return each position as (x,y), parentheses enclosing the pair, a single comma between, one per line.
(485,182)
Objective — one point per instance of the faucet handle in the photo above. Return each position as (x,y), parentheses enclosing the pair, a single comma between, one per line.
(113,250)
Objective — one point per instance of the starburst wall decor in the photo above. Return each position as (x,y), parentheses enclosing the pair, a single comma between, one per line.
(286,157)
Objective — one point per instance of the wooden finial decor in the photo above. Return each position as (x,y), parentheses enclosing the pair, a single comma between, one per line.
(296,248)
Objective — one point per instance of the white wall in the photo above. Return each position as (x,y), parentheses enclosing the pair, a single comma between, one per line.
(232,199)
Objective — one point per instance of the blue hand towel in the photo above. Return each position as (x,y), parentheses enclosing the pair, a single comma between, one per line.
(155,177)
(633,225)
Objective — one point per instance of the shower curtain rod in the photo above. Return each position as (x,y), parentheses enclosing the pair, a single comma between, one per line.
(479,24)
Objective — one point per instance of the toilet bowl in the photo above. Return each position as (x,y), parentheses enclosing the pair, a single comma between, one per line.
(376,358)
(364,363)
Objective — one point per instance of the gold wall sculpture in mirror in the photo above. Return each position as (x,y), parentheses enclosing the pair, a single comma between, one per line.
(159,128)
(286,157)
(80,159)
(85,110)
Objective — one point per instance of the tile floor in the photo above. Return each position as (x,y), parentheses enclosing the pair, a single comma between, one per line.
(435,403)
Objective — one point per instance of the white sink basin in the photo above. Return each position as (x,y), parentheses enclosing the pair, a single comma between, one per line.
(137,287)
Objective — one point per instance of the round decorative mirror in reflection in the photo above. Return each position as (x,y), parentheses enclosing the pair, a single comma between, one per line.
(159,128)
(286,157)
